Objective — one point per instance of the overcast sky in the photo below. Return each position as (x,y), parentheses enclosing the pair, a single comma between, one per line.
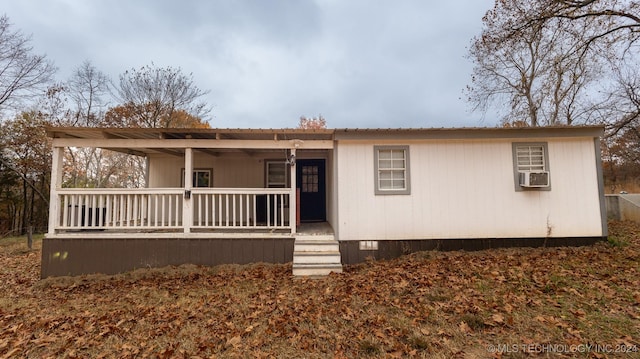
(358,63)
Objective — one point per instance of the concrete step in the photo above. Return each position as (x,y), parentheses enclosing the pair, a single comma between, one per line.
(316,269)
(315,257)
(315,237)
(316,246)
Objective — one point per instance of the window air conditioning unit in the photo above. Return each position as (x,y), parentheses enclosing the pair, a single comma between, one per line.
(534,179)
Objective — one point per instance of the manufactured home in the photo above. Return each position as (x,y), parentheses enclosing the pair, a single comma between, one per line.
(323,198)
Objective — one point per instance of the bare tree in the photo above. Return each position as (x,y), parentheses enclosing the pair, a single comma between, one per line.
(597,39)
(22,74)
(102,168)
(157,94)
(622,110)
(53,106)
(618,21)
(87,89)
(534,74)
(610,29)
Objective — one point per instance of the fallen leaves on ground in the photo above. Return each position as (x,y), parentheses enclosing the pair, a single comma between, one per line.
(497,304)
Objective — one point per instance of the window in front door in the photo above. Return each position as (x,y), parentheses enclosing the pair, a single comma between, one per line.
(309,179)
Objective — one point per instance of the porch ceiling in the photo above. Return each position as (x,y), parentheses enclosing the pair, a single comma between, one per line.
(189,133)
(133,140)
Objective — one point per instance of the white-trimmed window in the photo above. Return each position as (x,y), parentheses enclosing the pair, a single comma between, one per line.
(530,157)
(276,176)
(201,177)
(392,170)
(531,166)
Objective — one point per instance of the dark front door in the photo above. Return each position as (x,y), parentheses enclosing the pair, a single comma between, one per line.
(310,180)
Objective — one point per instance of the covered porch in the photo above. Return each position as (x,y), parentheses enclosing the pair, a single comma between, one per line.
(198,180)
(214,196)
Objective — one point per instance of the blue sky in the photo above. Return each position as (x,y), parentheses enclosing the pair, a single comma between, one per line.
(358,63)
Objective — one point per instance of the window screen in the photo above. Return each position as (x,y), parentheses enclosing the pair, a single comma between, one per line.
(392,169)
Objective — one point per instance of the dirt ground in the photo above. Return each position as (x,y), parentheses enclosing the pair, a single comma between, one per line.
(506,303)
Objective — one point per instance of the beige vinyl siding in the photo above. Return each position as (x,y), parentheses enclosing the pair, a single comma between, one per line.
(237,170)
(228,172)
(464,189)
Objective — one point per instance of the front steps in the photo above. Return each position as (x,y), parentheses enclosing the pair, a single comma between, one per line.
(316,255)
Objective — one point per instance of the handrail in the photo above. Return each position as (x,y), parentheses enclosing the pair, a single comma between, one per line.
(126,209)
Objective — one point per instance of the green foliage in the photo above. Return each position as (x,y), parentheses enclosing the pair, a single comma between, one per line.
(616,241)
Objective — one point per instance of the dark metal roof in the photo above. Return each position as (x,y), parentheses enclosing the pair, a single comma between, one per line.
(322,134)
(352,134)
(468,132)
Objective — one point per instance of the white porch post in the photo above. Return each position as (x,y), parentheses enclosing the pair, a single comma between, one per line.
(56,182)
(187,211)
(147,162)
(292,196)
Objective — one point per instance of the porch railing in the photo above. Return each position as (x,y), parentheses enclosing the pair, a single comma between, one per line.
(140,208)
(162,208)
(240,208)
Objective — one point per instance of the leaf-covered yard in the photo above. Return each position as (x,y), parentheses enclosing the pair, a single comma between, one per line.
(509,303)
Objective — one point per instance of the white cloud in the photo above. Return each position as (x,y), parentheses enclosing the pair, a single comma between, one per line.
(358,63)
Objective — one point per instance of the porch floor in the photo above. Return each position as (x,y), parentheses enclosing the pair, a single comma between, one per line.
(315,228)
(304,229)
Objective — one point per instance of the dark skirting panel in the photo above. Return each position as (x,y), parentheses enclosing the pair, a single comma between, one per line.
(351,253)
(74,256)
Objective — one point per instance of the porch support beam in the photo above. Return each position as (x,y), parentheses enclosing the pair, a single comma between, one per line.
(108,134)
(56,182)
(187,211)
(293,218)
(209,152)
(169,152)
(147,169)
(193,143)
(129,151)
